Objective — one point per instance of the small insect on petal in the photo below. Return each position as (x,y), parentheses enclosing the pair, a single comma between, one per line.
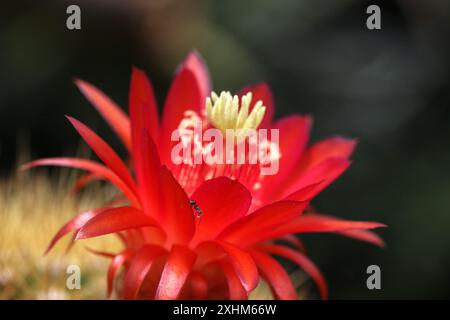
(196,208)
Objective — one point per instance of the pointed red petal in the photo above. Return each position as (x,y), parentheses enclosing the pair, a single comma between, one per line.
(319,223)
(103,254)
(243,264)
(184,94)
(104,152)
(250,229)
(277,278)
(321,155)
(295,242)
(324,173)
(83,181)
(90,166)
(261,91)
(303,262)
(293,137)
(306,193)
(194,62)
(147,167)
(144,126)
(140,265)
(363,235)
(175,273)
(222,202)
(115,220)
(109,110)
(73,225)
(175,211)
(143,107)
(115,265)
(316,223)
(336,147)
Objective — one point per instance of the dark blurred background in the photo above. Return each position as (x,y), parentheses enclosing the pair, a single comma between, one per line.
(390,88)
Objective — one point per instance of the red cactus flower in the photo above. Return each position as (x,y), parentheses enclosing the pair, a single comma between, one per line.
(202,231)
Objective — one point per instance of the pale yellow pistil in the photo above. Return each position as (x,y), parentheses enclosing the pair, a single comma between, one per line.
(225,112)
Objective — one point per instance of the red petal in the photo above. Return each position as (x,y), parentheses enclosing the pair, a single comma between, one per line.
(154,235)
(135,238)
(243,264)
(217,281)
(363,235)
(261,91)
(110,111)
(293,137)
(143,107)
(295,242)
(324,173)
(194,62)
(303,262)
(253,227)
(235,289)
(306,193)
(222,202)
(175,213)
(336,147)
(199,285)
(275,275)
(83,181)
(316,157)
(139,267)
(317,223)
(144,126)
(115,220)
(184,94)
(104,152)
(115,265)
(72,225)
(147,167)
(175,273)
(90,166)
(103,254)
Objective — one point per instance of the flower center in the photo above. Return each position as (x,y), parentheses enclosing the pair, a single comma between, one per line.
(225,112)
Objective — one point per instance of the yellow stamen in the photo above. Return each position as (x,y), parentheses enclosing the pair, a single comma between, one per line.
(224,111)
